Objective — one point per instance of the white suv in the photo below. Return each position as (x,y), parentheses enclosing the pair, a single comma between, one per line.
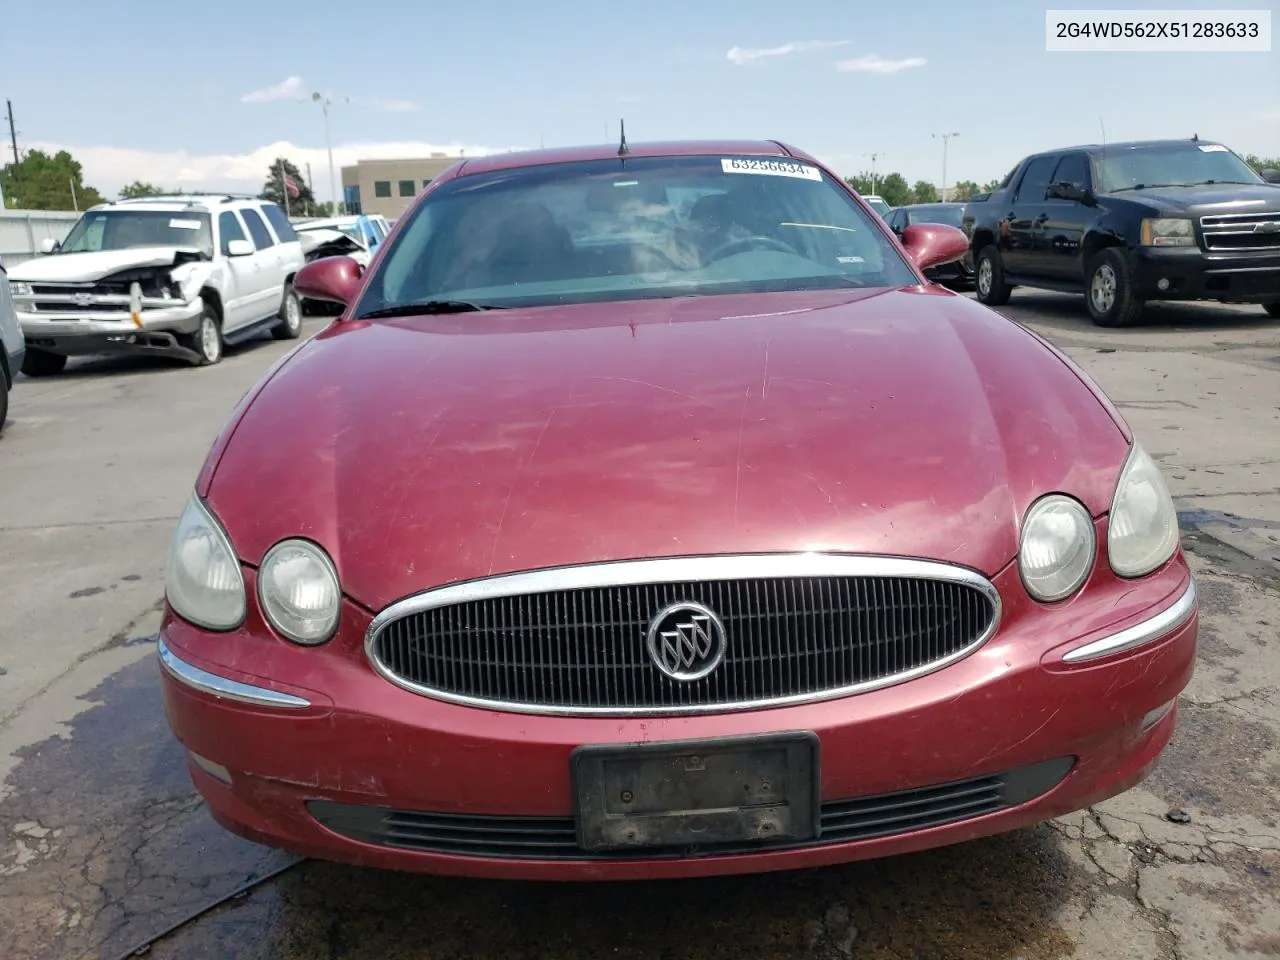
(173,276)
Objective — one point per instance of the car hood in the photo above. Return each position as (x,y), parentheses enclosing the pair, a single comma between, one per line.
(87,267)
(325,237)
(435,449)
(1210,198)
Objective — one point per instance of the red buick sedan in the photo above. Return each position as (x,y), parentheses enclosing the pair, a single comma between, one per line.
(646,513)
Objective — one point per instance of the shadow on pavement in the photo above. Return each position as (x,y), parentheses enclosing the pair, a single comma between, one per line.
(114,847)
(1067,312)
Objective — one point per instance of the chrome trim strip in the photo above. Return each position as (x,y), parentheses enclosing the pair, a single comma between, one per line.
(217,686)
(667,569)
(1147,631)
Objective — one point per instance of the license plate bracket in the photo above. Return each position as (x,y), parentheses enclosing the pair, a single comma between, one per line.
(730,790)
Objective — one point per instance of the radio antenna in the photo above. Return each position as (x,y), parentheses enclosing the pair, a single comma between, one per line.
(623,149)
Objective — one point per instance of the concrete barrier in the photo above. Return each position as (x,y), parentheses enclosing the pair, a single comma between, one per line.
(21,231)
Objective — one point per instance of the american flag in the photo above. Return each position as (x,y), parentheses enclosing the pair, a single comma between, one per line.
(290,185)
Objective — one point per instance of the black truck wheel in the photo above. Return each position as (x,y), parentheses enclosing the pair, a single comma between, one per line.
(988,281)
(1109,290)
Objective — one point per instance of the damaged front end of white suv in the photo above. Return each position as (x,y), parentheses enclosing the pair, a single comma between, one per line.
(134,300)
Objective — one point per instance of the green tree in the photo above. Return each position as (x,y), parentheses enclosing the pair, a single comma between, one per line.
(924,192)
(964,190)
(893,187)
(890,186)
(43,182)
(989,186)
(304,204)
(1262,163)
(140,189)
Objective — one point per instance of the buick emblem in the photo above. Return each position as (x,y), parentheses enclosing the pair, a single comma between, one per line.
(687,641)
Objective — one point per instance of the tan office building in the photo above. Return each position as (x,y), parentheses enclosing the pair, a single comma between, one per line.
(389,186)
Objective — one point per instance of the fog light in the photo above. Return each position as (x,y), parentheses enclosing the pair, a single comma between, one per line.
(1155,716)
(215,770)
(1162,283)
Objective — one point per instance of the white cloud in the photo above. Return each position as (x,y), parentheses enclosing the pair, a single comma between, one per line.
(741,56)
(291,88)
(874,63)
(110,168)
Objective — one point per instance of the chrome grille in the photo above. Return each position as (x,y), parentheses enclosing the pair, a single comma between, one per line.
(1241,231)
(573,640)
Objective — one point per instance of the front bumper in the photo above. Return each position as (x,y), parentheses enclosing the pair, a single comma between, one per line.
(338,764)
(93,332)
(1191,274)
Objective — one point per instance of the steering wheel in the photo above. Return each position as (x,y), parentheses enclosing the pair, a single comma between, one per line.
(742,244)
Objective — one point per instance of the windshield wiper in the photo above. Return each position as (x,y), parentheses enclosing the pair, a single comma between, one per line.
(427,307)
(1147,186)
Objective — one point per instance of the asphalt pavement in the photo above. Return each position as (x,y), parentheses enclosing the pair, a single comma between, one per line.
(105,848)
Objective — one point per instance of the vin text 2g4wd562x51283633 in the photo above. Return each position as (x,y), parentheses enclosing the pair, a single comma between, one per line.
(170,276)
(1130,222)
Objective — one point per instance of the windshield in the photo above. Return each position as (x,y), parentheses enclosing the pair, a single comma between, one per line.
(1175,165)
(945,214)
(878,205)
(633,228)
(123,229)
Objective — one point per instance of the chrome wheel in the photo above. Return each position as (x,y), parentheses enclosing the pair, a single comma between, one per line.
(210,339)
(1102,289)
(292,312)
(984,276)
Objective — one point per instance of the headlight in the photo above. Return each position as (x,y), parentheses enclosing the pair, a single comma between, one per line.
(1168,232)
(203,582)
(298,587)
(1142,532)
(20,289)
(1057,548)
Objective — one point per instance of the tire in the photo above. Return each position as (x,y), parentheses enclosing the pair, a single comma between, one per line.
(290,325)
(4,400)
(42,363)
(1273,309)
(1108,291)
(207,340)
(988,277)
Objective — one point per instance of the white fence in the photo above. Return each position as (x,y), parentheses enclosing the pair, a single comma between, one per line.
(22,230)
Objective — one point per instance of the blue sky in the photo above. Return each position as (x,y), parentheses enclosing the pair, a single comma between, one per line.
(497,75)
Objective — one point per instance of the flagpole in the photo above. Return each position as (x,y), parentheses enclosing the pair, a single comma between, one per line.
(284,189)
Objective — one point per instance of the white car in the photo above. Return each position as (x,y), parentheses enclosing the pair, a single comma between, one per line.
(178,276)
(12,348)
(877,204)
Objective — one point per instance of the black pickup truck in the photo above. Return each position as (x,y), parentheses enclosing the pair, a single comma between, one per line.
(1125,223)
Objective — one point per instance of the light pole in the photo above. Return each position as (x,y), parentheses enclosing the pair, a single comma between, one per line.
(873,157)
(945,137)
(325,103)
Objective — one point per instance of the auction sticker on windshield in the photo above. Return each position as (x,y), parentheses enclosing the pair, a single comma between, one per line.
(184,224)
(770,168)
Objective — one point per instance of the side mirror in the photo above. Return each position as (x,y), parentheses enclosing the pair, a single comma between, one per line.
(933,244)
(332,279)
(1271,175)
(239,248)
(49,245)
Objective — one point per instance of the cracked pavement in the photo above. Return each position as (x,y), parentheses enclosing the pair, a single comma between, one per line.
(104,845)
